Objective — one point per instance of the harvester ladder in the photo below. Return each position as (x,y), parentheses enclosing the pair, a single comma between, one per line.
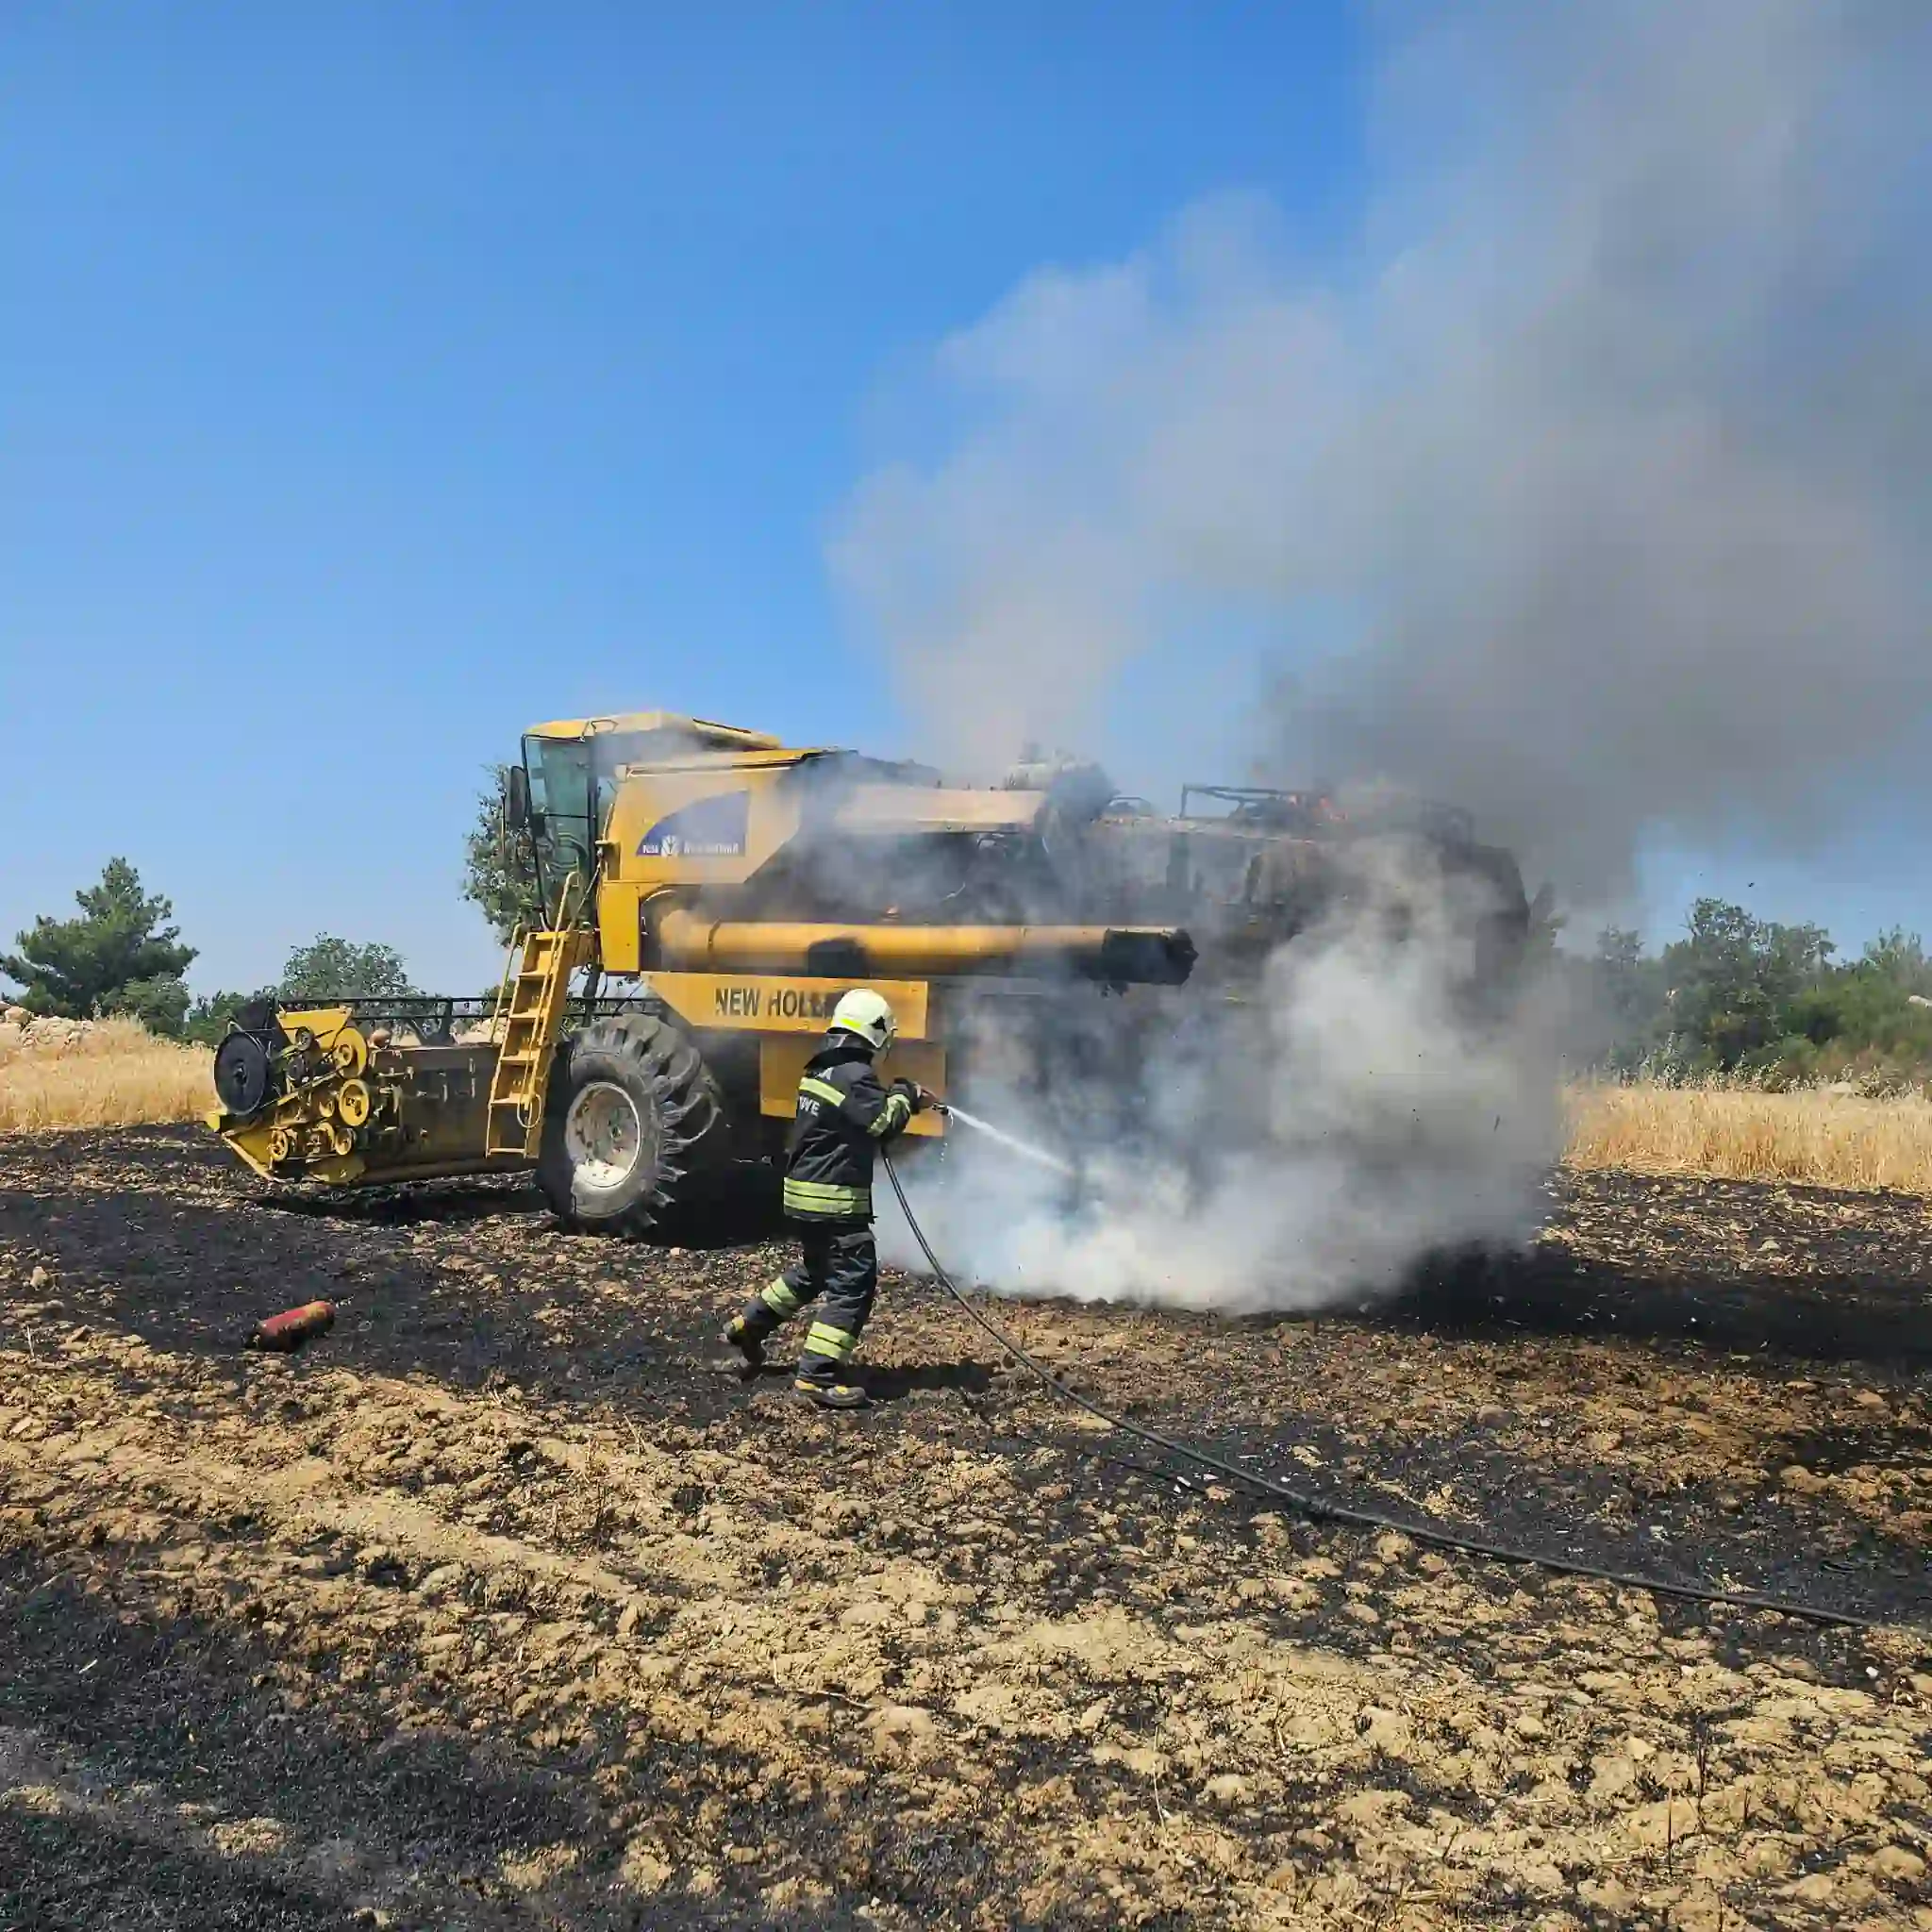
(530,1020)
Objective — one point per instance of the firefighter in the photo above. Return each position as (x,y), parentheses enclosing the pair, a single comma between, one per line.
(845,1114)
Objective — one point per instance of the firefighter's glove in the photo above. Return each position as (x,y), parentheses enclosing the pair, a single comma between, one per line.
(910,1091)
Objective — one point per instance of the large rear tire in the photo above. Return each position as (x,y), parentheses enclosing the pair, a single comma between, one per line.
(635,1133)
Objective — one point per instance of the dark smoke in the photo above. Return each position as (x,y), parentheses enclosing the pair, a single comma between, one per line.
(1597,499)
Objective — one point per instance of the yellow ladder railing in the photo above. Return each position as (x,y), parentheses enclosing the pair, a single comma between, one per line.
(529,1020)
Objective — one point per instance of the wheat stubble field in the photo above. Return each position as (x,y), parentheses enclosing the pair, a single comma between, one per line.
(109,1073)
(1817,1136)
(498,1607)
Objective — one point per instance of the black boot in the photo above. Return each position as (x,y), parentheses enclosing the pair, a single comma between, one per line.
(833,1394)
(749,1343)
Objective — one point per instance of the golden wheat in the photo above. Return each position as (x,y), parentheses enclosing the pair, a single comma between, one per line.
(118,1076)
(1815,1136)
(114,1076)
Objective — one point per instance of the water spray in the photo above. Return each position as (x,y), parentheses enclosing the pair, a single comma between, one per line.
(1025,1149)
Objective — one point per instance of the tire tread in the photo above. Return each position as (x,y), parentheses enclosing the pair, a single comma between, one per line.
(692,1127)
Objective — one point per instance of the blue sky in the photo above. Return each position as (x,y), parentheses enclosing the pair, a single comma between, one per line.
(379,379)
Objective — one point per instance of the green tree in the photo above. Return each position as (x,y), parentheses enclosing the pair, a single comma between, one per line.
(119,955)
(160,1005)
(1626,980)
(1899,957)
(1739,992)
(498,873)
(1864,1012)
(1627,1005)
(1732,977)
(331,969)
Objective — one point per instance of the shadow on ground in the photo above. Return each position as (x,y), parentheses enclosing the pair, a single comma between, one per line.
(425,1821)
(1874,1309)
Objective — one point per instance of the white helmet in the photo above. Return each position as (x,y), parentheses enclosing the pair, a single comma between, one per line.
(865,1013)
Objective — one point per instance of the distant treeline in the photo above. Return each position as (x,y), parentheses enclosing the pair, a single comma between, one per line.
(1734,995)
(1752,997)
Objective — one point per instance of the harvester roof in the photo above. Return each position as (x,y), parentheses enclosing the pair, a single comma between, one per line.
(909,810)
(696,732)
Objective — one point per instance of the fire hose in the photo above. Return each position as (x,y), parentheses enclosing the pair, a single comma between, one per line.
(1318,1509)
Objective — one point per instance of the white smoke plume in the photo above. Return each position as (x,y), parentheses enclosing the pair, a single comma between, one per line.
(1592,494)
(1360,1118)
(1595,496)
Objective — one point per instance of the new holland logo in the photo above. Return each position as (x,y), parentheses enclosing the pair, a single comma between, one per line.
(711,828)
(753,1002)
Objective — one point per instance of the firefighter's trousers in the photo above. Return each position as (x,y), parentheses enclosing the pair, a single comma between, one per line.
(838,1269)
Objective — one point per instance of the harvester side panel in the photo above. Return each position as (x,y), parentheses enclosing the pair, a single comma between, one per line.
(779,1003)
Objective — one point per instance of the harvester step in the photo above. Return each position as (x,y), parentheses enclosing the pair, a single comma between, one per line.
(532,1015)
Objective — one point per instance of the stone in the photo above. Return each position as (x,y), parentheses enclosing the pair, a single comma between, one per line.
(1542,1878)
(904,1721)
(1898,1865)
(1611,1894)
(641,1869)
(1385,1730)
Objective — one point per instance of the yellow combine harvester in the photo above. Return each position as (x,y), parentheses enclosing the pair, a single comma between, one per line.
(736,887)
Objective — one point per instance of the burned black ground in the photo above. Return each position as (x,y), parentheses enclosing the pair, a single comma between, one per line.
(498,1605)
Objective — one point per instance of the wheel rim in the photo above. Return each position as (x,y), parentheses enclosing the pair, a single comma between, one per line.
(604,1136)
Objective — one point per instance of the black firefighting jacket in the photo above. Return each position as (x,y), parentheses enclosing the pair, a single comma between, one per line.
(845,1111)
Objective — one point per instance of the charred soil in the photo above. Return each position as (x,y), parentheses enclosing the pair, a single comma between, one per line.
(498,1606)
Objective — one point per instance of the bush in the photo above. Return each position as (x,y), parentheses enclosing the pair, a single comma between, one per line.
(160,1005)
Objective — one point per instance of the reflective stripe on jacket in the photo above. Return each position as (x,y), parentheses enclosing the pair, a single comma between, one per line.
(844,1111)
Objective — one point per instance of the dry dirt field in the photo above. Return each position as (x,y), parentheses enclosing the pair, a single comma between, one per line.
(497,1608)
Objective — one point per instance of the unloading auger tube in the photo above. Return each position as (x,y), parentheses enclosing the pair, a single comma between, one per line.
(1318,1510)
(1122,954)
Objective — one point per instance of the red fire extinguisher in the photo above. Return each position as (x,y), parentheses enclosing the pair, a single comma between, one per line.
(288,1330)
